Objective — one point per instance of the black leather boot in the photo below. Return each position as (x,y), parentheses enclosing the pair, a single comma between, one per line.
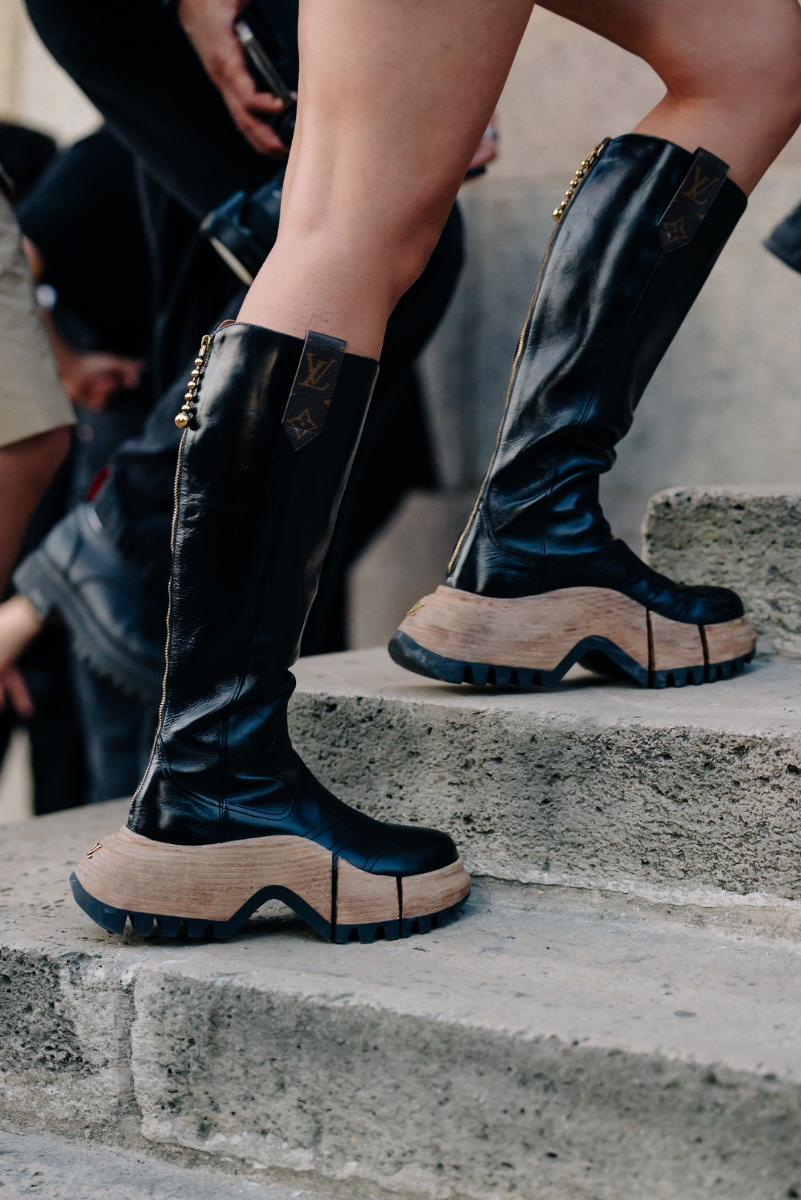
(537,581)
(228,816)
(116,625)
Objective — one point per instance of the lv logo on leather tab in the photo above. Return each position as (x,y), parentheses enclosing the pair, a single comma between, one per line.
(692,201)
(313,389)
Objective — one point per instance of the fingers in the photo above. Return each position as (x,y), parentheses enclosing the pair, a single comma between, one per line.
(263,102)
(487,151)
(130,372)
(19,625)
(209,26)
(95,392)
(261,136)
(94,378)
(245,104)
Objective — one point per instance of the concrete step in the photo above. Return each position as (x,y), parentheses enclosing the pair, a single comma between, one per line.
(551,1042)
(41,1165)
(690,795)
(746,538)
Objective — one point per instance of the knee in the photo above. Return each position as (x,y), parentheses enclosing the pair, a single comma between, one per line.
(750,67)
(767,73)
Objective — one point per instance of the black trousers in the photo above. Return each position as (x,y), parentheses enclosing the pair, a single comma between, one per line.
(136,65)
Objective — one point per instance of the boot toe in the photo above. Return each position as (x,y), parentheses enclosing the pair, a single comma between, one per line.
(714,605)
(405,850)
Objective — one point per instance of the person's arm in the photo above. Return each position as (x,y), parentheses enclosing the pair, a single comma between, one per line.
(35,416)
(20,623)
(209,25)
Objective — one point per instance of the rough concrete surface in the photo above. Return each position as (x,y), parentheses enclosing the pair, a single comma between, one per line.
(537,1052)
(40,1165)
(675,794)
(748,539)
(553,1042)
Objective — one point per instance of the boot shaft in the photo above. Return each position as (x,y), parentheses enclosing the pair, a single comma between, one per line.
(272,425)
(257,492)
(630,253)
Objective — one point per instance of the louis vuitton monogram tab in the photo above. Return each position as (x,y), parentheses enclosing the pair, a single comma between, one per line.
(692,201)
(313,389)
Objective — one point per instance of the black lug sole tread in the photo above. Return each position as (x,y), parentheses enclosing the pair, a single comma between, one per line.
(114,920)
(596,653)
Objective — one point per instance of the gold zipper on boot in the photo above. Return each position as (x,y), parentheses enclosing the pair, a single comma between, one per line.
(182,420)
(570,195)
(575,182)
(185,415)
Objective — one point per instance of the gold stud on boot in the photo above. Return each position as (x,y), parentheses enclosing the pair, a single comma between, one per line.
(185,415)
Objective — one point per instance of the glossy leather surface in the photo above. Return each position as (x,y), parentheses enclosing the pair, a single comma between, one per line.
(79,573)
(253,521)
(608,304)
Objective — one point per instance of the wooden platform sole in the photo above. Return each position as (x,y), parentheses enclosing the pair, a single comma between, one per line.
(202,890)
(459,637)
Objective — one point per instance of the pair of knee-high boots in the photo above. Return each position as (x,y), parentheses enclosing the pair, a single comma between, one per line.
(228,815)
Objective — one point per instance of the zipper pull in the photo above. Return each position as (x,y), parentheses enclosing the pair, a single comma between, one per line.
(584,169)
(185,415)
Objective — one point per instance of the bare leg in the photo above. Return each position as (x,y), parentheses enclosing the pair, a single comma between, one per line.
(732,69)
(394,98)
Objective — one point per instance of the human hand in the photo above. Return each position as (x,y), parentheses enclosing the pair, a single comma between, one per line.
(91,378)
(19,625)
(209,25)
(14,694)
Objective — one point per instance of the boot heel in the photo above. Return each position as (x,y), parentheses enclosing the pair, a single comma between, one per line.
(212,888)
(461,637)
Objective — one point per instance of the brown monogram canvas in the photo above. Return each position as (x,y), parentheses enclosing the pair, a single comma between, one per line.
(692,201)
(313,389)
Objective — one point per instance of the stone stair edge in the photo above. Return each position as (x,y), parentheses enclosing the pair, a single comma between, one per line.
(768,491)
(368,676)
(427,1038)
(189,1013)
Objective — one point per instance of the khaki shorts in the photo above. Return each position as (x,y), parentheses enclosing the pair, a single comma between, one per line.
(32,399)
